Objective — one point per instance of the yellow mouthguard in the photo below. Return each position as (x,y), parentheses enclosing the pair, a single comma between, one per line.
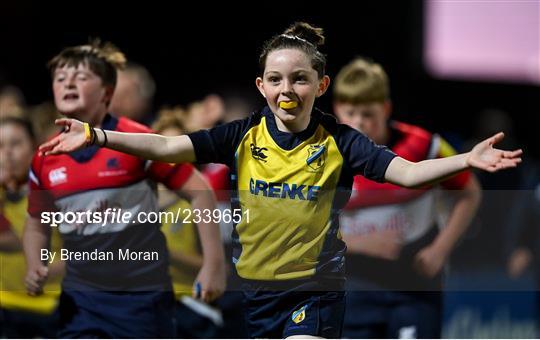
(288,105)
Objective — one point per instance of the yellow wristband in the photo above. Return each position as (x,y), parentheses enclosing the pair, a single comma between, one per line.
(87,133)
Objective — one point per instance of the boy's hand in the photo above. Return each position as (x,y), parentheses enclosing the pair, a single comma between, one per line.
(35,280)
(429,261)
(210,283)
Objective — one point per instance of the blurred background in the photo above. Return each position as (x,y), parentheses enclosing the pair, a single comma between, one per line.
(464,69)
(447,60)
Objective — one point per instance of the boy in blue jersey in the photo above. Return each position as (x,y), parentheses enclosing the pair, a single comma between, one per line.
(288,161)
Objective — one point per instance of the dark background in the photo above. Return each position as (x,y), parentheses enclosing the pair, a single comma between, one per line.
(200,47)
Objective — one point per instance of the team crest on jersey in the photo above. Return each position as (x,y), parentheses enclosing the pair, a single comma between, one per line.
(58,176)
(299,315)
(258,153)
(316,157)
(112,163)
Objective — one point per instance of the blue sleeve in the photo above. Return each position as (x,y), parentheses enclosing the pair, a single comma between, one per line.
(218,145)
(362,155)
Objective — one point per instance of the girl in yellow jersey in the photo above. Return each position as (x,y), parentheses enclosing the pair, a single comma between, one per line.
(287,163)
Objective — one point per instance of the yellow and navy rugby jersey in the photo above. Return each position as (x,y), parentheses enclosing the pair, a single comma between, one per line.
(286,186)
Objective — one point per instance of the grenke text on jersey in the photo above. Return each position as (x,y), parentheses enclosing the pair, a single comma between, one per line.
(284,190)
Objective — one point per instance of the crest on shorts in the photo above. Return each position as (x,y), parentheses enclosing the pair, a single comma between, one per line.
(316,157)
(299,315)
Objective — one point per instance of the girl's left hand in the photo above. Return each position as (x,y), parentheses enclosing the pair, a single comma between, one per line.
(484,156)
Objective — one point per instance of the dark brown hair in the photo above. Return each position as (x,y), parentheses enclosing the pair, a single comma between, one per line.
(102,58)
(301,36)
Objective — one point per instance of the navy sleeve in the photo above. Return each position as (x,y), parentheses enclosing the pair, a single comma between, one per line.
(362,155)
(218,145)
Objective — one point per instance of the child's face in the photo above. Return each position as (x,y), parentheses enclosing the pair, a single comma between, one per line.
(289,77)
(369,119)
(16,150)
(79,91)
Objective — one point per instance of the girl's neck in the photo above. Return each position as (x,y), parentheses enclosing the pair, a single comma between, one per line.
(292,127)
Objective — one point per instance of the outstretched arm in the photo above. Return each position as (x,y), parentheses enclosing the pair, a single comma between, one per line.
(178,149)
(483,156)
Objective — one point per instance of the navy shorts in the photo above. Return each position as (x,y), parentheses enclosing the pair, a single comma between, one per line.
(96,314)
(294,307)
(393,314)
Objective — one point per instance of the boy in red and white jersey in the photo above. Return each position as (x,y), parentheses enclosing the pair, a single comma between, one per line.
(117,282)
(396,251)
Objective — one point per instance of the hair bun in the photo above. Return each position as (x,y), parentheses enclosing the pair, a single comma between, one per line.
(305,31)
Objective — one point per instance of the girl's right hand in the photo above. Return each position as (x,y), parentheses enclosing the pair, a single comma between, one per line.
(71,139)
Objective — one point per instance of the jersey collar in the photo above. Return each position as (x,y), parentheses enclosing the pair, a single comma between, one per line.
(287,140)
